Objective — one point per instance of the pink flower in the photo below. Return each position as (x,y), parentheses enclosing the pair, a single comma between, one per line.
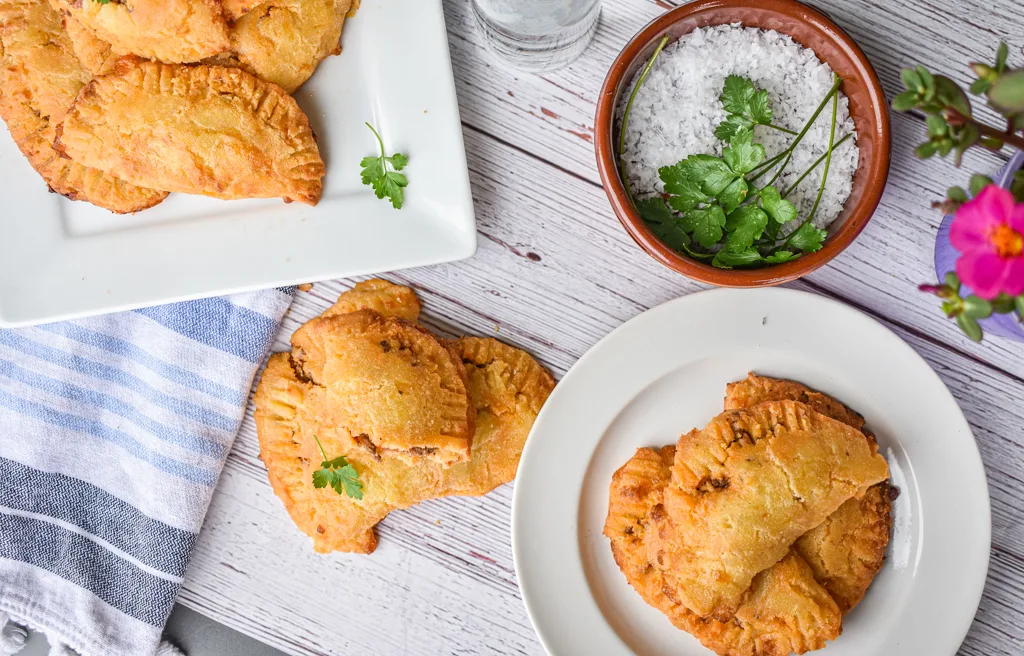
(989,233)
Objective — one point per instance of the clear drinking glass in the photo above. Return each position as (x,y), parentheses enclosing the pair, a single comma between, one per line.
(537,35)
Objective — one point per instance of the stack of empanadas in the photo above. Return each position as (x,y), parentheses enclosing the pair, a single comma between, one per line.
(418,417)
(189,96)
(757,533)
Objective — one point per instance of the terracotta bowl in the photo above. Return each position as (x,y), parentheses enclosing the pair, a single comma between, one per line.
(813,30)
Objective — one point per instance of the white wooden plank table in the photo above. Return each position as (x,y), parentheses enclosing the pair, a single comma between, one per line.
(554,273)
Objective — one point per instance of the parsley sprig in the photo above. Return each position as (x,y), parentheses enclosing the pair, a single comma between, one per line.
(747,106)
(712,210)
(384,182)
(339,474)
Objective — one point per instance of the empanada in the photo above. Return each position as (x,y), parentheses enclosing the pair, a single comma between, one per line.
(507,389)
(39,77)
(172,31)
(393,387)
(747,486)
(784,611)
(847,550)
(283,41)
(196,129)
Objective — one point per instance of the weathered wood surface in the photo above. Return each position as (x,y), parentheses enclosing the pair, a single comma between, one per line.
(554,273)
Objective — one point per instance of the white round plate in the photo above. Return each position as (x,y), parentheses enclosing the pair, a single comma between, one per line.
(664,373)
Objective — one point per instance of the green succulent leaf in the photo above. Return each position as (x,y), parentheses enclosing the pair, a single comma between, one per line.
(912,80)
(927,82)
(1002,53)
(1018,303)
(978,182)
(950,94)
(704,224)
(980,86)
(970,326)
(958,194)
(977,308)
(1007,92)
(905,101)
(952,281)
(1017,186)
(937,125)
(926,150)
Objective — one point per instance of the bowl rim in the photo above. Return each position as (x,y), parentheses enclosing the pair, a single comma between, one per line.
(604,127)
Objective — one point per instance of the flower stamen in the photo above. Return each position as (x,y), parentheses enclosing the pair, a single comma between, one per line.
(1006,241)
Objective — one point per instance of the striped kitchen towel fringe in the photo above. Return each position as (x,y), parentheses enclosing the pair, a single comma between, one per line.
(114,431)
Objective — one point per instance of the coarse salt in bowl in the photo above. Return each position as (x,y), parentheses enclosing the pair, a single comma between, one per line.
(787,25)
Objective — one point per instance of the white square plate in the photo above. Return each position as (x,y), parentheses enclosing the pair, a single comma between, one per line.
(61,259)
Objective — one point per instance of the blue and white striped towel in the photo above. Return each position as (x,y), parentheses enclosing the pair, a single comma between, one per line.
(113,431)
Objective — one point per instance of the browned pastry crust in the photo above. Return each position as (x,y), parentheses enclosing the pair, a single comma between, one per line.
(198,129)
(390,384)
(39,77)
(172,31)
(784,611)
(283,41)
(508,388)
(381,296)
(847,550)
(747,486)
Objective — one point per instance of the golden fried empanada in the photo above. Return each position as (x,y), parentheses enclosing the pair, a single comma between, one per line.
(381,296)
(283,41)
(747,486)
(847,550)
(39,78)
(235,9)
(196,129)
(390,384)
(784,611)
(173,31)
(96,55)
(508,389)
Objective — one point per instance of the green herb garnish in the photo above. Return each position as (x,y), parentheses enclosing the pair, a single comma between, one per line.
(384,182)
(747,106)
(339,474)
(711,209)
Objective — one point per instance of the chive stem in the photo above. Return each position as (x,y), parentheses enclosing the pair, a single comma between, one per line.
(625,118)
(824,175)
(807,126)
(779,128)
(813,166)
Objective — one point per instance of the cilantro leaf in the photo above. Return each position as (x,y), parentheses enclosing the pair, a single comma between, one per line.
(743,154)
(744,226)
(778,257)
(746,105)
(347,480)
(704,224)
(807,238)
(385,183)
(761,108)
(680,180)
(728,258)
(322,478)
(337,473)
(737,94)
(733,125)
(734,194)
(662,223)
(713,174)
(777,207)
